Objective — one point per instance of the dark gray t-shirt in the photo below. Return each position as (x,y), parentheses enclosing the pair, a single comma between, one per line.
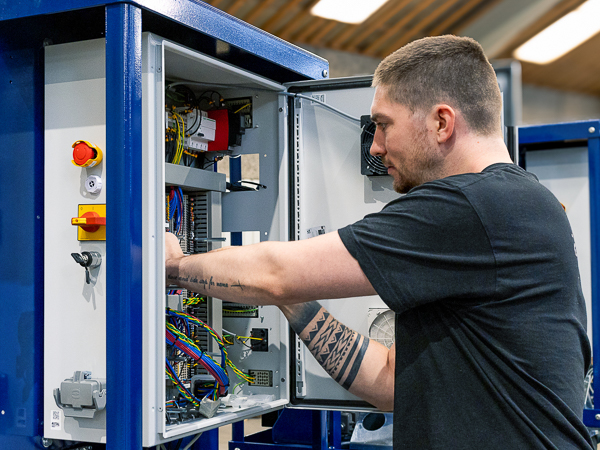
(491,343)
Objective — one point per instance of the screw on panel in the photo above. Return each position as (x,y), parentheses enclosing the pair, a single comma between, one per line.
(591,129)
(325,73)
(597,417)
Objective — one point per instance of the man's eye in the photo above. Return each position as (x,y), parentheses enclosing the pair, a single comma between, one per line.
(381,126)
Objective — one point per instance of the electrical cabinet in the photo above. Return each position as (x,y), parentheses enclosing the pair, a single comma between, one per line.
(309,182)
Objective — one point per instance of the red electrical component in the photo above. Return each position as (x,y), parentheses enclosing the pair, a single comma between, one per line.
(221,118)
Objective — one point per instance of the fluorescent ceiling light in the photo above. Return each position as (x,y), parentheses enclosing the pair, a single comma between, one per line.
(563,35)
(349,11)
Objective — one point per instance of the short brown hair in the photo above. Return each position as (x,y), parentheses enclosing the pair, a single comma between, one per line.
(447,69)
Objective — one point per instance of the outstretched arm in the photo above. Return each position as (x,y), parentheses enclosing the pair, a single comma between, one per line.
(270,273)
(360,365)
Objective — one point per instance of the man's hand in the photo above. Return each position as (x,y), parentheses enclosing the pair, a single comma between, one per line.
(173,254)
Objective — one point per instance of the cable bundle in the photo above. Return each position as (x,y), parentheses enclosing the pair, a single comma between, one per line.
(180,134)
(183,343)
(222,344)
(175,209)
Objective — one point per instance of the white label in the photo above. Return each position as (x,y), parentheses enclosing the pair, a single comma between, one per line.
(56,419)
(319,97)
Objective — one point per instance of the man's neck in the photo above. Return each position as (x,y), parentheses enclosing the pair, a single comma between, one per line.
(475,153)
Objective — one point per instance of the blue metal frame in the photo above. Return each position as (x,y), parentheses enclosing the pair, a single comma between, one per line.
(294,429)
(21,242)
(587,133)
(200,17)
(124,225)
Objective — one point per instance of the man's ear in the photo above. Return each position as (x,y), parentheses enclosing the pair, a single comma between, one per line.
(442,120)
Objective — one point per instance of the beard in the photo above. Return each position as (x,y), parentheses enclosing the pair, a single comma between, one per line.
(421,163)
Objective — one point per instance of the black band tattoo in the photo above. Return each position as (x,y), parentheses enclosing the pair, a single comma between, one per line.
(337,348)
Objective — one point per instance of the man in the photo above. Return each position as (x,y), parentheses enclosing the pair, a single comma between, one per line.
(477,260)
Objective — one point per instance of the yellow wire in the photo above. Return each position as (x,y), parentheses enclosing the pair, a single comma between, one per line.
(245,106)
(180,135)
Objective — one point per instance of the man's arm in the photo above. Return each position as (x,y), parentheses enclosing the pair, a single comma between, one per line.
(360,365)
(270,273)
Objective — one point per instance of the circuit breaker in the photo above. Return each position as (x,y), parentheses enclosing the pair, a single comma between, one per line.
(206,363)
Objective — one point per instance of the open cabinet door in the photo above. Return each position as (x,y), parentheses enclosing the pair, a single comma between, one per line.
(329,192)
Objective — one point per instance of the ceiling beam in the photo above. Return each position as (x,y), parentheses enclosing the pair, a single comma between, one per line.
(420,29)
(453,17)
(547,19)
(373,49)
(374,22)
(275,23)
(257,10)
(303,34)
(498,27)
(317,38)
(235,7)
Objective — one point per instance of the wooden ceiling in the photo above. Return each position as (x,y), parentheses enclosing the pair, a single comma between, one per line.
(398,22)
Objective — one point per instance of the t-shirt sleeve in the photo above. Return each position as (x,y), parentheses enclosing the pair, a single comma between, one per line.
(426,246)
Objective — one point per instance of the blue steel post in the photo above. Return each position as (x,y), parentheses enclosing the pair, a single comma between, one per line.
(319,430)
(237,431)
(123,226)
(335,427)
(594,179)
(235,176)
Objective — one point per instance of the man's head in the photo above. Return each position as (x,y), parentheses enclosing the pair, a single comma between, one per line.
(425,92)
(444,69)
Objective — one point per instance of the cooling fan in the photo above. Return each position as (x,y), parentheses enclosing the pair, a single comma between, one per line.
(382,326)
(369,165)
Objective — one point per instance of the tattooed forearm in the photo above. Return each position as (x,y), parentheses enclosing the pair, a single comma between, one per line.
(337,348)
(204,283)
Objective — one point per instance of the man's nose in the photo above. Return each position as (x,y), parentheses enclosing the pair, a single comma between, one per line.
(377,147)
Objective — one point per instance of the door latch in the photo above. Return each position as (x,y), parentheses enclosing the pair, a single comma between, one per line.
(88,260)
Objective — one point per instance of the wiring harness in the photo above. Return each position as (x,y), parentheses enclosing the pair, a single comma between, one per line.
(180,336)
(175,210)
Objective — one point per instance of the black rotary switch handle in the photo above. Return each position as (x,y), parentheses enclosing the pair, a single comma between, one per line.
(87,260)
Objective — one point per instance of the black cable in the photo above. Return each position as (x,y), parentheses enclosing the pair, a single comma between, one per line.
(258,185)
(197,120)
(237,188)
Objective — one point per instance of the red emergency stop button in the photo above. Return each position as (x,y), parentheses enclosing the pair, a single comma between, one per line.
(86,154)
